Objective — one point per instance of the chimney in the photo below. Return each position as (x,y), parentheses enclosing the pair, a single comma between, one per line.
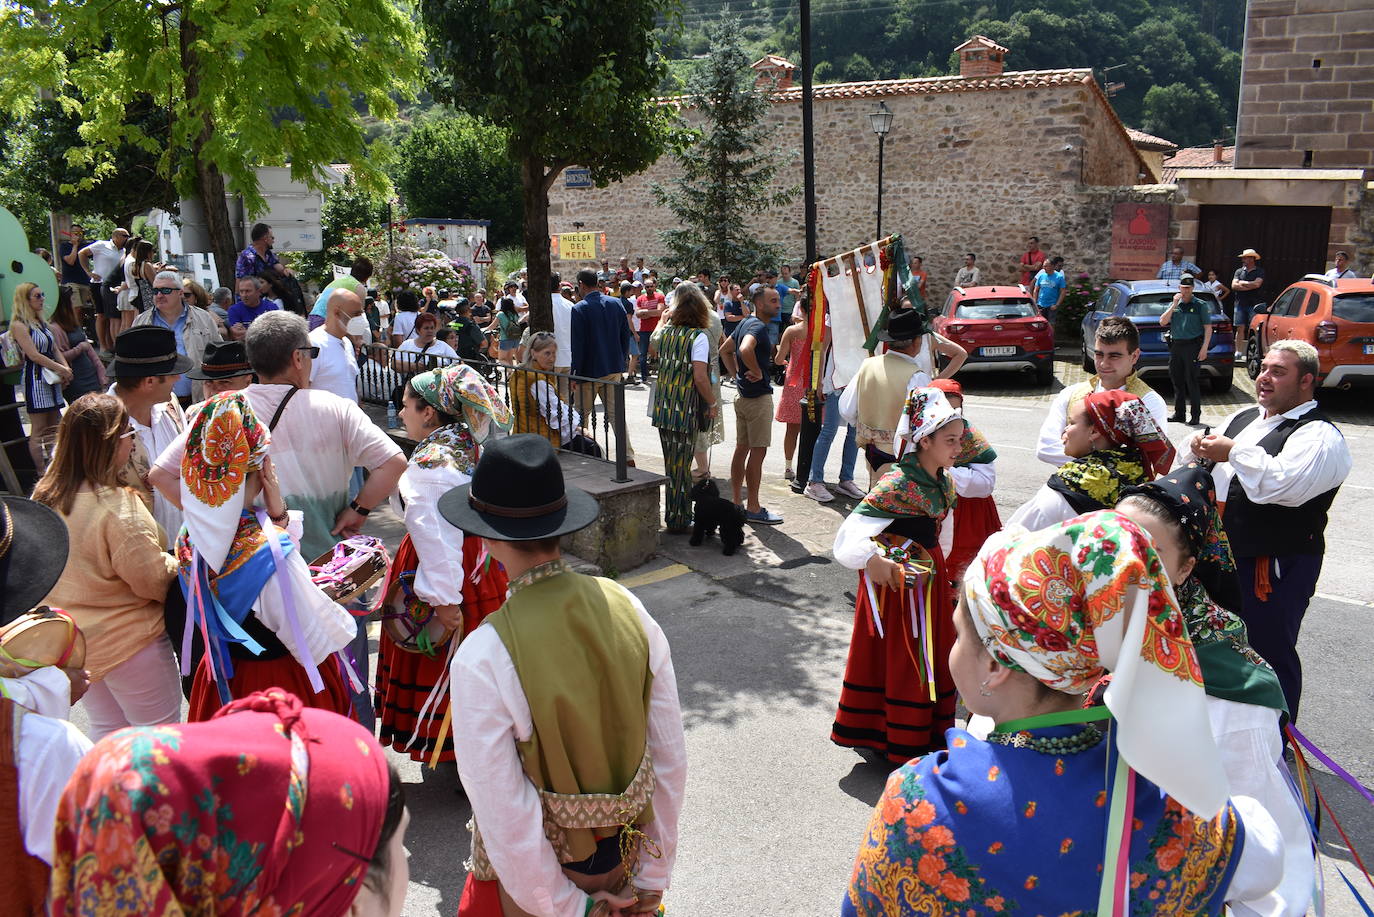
(774,73)
(980,57)
(1218,151)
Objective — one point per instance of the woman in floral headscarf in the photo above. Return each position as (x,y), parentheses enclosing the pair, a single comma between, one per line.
(248,591)
(1244,698)
(1112,442)
(439,576)
(1117,810)
(271,807)
(897,697)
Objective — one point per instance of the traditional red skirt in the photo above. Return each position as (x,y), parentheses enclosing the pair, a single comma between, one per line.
(885,702)
(405,679)
(975,518)
(258,675)
(480,899)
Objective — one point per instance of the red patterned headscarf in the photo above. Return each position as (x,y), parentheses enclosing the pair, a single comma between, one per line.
(1125,421)
(270,807)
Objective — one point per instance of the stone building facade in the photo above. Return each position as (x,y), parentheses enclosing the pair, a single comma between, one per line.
(1307,85)
(972,163)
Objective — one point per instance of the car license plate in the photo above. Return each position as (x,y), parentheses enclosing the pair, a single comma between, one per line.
(1011,351)
(1369,348)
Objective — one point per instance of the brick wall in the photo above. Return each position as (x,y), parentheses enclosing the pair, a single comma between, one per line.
(963,171)
(1307,84)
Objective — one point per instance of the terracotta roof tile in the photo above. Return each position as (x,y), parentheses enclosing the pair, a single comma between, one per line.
(981,41)
(1146,141)
(1016,79)
(1197,157)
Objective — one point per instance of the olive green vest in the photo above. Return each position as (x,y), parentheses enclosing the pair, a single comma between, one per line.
(582,658)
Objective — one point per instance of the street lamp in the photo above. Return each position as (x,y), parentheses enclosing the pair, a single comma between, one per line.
(882,123)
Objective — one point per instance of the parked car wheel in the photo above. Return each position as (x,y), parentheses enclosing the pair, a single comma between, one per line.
(1252,354)
(1044,373)
(1222,384)
(1089,365)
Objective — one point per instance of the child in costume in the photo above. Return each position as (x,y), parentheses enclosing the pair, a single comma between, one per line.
(572,750)
(975,475)
(897,697)
(248,591)
(442,581)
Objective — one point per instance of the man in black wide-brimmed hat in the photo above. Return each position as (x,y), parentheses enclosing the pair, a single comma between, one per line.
(874,398)
(565,710)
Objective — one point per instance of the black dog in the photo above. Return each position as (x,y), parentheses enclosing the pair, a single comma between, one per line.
(711,511)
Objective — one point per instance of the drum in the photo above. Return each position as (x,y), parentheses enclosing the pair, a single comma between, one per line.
(42,637)
(352,567)
(410,621)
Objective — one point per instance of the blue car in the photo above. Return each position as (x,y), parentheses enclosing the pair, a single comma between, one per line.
(1143,302)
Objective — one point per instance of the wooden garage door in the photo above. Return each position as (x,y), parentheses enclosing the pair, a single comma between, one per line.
(1292,241)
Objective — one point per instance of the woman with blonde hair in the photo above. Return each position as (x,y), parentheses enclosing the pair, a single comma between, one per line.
(117,573)
(45,371)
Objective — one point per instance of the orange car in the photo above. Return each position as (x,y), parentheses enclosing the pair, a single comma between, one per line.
(1334,316)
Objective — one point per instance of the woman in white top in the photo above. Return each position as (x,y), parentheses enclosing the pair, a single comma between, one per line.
(424,342)
(1244,698)
(403,325)
(440,582)
(537,404)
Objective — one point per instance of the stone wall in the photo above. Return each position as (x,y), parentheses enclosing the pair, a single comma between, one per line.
(1307,85)
(963,171)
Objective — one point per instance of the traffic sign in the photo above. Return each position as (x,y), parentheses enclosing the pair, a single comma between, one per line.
(481,255)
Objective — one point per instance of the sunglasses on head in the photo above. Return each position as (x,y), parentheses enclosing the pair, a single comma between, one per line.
(166,291)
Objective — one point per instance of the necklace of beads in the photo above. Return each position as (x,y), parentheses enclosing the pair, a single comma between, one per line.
(1089,737)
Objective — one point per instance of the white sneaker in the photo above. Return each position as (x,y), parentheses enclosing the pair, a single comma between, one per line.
(850,489)
(818,492)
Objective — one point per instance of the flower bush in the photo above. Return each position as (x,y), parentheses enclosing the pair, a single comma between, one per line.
(410,260)
(1082,292)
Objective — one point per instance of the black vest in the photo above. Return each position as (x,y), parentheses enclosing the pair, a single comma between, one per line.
(1267,529)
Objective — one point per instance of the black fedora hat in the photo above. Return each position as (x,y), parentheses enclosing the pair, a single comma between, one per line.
(906,325)
(517,494)
(33,554)
(148,351)
(223,360)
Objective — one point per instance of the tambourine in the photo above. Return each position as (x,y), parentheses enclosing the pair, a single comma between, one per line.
(914,559)
(42,637)
(410,621)
(350,568)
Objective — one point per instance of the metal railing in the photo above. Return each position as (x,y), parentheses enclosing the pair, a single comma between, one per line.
(577,414)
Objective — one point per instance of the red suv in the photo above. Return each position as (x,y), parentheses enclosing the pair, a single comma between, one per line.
(1001,328)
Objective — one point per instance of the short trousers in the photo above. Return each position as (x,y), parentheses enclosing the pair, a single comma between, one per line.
(754,421)
(509,343)
(109,302)
(1242,315)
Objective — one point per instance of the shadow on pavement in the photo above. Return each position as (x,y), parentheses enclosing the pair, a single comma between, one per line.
(866,779)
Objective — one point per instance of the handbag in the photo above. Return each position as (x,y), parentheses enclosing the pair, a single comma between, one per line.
(10,354)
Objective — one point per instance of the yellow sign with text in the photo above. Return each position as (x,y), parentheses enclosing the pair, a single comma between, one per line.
(577,246)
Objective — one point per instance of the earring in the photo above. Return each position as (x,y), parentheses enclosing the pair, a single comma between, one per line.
(983,689)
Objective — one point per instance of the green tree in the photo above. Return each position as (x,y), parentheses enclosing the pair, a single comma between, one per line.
(571,83)
(459,167)
(728,169)
(243,84)
(346,206)
(1188,116)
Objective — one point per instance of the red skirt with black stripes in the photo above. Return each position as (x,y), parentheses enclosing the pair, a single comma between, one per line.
(885,701)
(404,679)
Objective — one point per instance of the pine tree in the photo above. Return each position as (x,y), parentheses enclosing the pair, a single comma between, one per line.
(727,168)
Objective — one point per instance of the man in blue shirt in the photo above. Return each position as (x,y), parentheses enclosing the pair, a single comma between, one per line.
(249,306)
(748,354)
(600,347)
(1176,267)
(1049,288)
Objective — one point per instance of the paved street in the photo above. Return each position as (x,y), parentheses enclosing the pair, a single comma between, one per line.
(774,811)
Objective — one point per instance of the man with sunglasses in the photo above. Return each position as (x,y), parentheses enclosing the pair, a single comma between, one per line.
(318,439)
(192,327)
